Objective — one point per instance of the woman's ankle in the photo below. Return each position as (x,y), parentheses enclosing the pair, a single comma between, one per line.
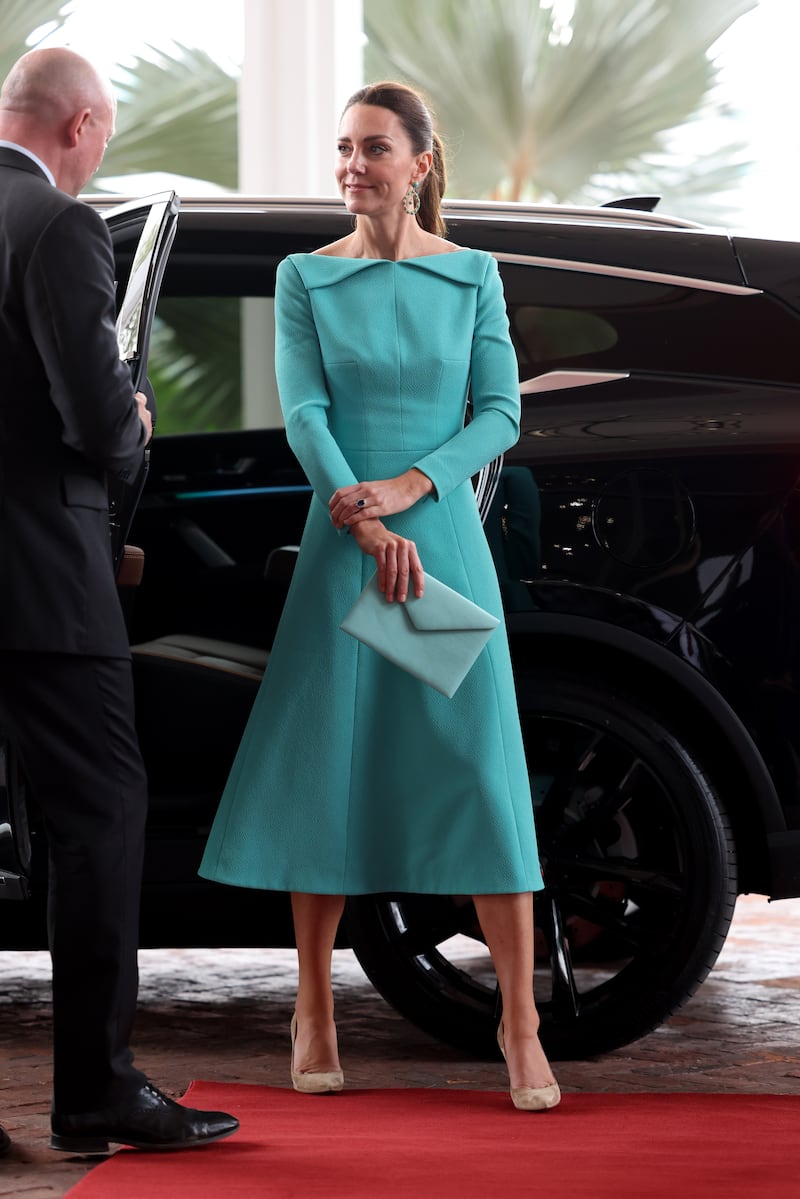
(315,1007)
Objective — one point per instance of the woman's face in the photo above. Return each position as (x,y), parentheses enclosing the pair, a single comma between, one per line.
(375,162)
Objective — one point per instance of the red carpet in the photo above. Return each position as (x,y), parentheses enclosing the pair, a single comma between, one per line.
(439,1144)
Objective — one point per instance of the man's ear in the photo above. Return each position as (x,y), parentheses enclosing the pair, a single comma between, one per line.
(75,126)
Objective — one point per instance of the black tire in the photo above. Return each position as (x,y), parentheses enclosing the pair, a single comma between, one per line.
(640,871)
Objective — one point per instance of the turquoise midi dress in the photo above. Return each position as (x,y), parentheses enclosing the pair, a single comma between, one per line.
(352,776)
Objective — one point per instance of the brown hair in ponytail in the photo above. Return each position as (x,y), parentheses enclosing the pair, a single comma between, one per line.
(417,121)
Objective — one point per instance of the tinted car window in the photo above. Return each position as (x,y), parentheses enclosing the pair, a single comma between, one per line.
(566,316)
(546,335)
(212,364)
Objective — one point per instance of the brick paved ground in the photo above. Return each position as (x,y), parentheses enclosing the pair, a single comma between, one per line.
(224,1015)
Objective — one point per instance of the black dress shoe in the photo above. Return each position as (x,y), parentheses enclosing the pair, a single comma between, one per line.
(147,1120)
(5,1142)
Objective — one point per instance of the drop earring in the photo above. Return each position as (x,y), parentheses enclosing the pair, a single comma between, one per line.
(411,200)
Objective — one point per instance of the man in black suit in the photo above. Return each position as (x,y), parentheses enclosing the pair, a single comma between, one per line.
(68,421)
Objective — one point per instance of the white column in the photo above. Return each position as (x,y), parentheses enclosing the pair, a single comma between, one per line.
(302,59)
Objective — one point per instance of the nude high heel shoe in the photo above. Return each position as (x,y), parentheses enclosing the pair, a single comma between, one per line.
(531,1099)
(312,1082)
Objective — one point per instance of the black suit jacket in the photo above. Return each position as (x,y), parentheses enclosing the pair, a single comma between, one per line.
(67,417)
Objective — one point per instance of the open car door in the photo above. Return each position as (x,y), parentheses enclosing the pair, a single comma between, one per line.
(142,232)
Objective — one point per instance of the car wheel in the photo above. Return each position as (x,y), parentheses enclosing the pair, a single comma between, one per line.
(640,884)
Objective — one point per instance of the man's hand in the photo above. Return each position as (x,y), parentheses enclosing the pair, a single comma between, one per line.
(144,414)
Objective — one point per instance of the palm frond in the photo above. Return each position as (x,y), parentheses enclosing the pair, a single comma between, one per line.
(534,107)
(21,19)
(703,192)
(195,364)
(177,113)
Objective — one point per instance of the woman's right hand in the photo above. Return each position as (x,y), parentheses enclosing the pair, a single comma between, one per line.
(396,558)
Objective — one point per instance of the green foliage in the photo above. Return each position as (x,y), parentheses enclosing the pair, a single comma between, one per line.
(21,18)
(537,105)
(177,113)
(177,106)
(195,364)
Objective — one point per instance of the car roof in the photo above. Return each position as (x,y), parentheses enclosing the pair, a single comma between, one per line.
(486,210)
(633,242)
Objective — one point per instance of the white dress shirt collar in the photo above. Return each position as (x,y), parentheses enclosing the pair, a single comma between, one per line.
(29,154)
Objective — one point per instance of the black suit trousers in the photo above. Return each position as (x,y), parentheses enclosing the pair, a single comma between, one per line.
(72,720)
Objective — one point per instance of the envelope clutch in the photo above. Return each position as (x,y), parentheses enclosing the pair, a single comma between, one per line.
(435,637)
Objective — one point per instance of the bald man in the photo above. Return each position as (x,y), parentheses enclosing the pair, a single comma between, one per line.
(68,420)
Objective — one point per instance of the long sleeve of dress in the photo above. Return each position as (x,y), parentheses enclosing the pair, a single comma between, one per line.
(495,395)
(303,391)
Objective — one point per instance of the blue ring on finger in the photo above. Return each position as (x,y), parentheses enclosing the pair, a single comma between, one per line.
(362,503)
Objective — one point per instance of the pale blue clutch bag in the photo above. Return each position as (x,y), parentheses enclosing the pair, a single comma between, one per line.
(436,637)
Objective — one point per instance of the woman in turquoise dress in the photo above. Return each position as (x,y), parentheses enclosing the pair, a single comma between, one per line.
(353,777)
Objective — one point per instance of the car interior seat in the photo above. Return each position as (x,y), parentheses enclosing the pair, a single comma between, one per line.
(193,698)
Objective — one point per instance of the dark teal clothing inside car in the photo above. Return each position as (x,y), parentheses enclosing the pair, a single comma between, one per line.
(352,776)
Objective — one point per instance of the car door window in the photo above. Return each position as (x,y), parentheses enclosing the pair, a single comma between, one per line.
(212,364)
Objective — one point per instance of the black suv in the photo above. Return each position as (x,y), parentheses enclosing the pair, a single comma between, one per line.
(646,531)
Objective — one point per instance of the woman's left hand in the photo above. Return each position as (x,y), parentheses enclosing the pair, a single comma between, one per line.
(378,497)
